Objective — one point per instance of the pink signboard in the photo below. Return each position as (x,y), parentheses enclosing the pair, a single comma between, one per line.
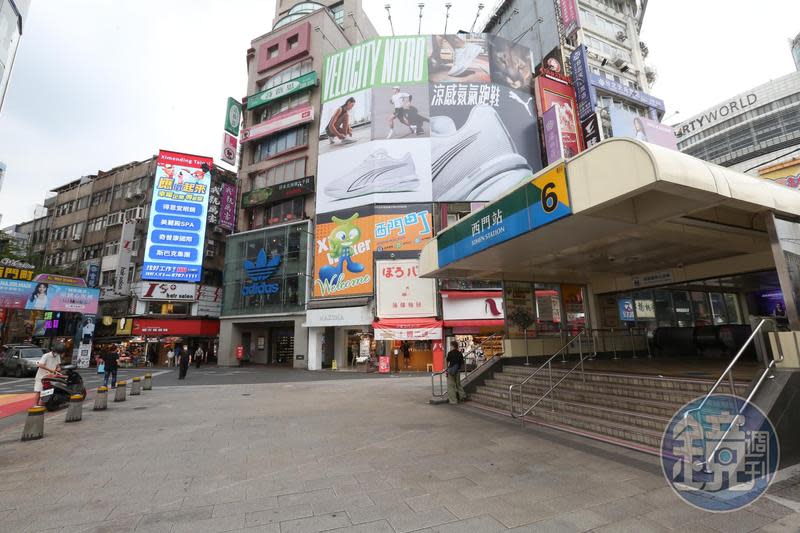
(42,296)
(227,211)
(552,136)
(288,119)
(569,16)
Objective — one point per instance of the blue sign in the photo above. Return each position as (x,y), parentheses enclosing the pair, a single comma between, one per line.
(176,233)
(584,90)
(620,89)
(93,275)
(259,272)
(720,454)
(626,312)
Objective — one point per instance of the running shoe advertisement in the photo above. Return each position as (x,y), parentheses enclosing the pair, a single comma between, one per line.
(455,123)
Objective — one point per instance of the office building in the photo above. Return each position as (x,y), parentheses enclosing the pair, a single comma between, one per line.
(13,15)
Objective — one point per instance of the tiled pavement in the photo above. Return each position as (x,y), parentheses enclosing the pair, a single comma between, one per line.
(344,455)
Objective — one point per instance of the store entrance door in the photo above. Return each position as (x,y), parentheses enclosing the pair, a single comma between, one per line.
(281,346)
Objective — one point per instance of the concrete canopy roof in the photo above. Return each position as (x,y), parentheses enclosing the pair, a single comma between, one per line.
(638,208)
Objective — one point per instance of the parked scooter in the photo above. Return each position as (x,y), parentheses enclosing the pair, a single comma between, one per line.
(57,388)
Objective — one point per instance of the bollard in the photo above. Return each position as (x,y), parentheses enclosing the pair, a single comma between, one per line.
(136,386)
(34,424)
(148,382)
(75,409)
(120,394)
(101,399)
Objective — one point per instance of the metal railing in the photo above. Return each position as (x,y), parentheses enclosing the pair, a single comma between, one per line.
(609,337)
(443,387)
(729,373)
(549,365)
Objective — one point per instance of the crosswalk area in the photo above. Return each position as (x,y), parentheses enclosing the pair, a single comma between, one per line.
(91,379)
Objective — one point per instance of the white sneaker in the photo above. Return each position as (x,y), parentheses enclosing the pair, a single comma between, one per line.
(478,161)
(379,173)
(391,132)
(464,58)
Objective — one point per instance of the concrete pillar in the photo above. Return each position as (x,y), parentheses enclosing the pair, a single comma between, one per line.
(340,346)
(300,343)
(119,395)
(136,386)
(315,348)
(101,399)
(34,424)
(75,409)
(229,338)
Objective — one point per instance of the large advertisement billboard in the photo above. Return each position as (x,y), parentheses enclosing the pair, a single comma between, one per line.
(40,296)
(425,118)
(401,292)
(177,227)
(627,124)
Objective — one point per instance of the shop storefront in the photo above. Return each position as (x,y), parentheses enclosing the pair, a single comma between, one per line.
(476,320)
(341,334)
(411,343)
(263,305)
(152,338)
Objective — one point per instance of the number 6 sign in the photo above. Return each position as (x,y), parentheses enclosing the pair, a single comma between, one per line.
(554,197)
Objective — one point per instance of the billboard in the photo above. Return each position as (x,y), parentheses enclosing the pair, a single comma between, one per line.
(150,290)
(122,276)
(581,80)
(425,118)
(627,124)
(177,226)
(569,16)
(17,294)
(402,227)
(553,92)
(401,292)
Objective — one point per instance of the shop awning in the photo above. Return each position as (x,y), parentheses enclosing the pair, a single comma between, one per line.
(474,323)
(390,329)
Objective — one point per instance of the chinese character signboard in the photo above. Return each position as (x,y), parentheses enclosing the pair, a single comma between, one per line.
(227,208)
(401,292)
(233,117)
(584,90)
(414,120)
(402,227)
(214,203)
(569,16)
(40,296)
(279,91)
(538,202)
(177,227)
(14,269)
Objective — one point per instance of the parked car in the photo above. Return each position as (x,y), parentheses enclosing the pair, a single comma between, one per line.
(20,360)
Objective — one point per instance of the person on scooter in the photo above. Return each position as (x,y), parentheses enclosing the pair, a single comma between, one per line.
(110,359)
(50,363)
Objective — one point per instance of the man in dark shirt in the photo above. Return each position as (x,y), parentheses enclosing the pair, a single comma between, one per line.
(455,362)
(110,360)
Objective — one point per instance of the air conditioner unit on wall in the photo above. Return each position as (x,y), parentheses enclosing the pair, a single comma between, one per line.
(618,62)
(621,36)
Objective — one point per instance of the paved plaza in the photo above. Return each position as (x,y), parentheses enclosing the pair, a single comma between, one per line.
(365,455)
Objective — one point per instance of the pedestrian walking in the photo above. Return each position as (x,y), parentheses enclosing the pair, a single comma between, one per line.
(170,357)
(455,361)
(198,356)
(183,361)
(49,363)
(406,348)
(110,364)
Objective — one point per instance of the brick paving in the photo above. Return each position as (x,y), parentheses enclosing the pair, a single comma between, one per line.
(364,455)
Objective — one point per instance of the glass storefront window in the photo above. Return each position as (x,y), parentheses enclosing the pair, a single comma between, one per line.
(548,308)
(665,315)
(284,290)
(718,308)
(702,309)
(732,306)
(683,308)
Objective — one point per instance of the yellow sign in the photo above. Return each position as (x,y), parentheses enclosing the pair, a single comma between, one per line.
(787,174)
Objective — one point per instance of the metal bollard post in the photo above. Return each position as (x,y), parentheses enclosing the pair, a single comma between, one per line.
(101,399)
(120,394)
(75,409)
(34,424)
(148,382)
(136,386)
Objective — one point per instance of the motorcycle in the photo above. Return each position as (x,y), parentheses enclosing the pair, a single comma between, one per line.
(57,388)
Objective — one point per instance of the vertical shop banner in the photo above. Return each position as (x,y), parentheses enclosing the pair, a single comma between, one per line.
(230,146)
(590,128)
(122,277)
(581,80)
(627,124)
(93,274)
(411,119)
(569,16)
(555,92)
(553,143)
(177,225)
(227,213)
(214,204)
(343,260)
(401,292)
(233,117)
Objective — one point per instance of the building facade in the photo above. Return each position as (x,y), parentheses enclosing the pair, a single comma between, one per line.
(277,178)
(749,132)
(96,227)
(795,46)
(13,14)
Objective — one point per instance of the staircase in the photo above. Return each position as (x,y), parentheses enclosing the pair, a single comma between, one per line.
(630,410)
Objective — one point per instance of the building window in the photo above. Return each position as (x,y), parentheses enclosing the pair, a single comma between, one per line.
(114,218)
(281,142)
(294,71)
(91,252)
(167,308)
(282,105)
(286,211)
(111,248)
(291,170)
(272,51)
(292,42)
(107,278)
(83,202)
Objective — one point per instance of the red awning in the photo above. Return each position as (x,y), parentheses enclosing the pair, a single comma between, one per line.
(472,294)
(151,327)
(475,323)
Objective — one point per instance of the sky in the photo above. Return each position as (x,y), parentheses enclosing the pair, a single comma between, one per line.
(100,83)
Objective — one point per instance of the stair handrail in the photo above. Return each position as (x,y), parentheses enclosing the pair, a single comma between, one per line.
(440,374)
(729,373)
(548,364)
(550,390)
